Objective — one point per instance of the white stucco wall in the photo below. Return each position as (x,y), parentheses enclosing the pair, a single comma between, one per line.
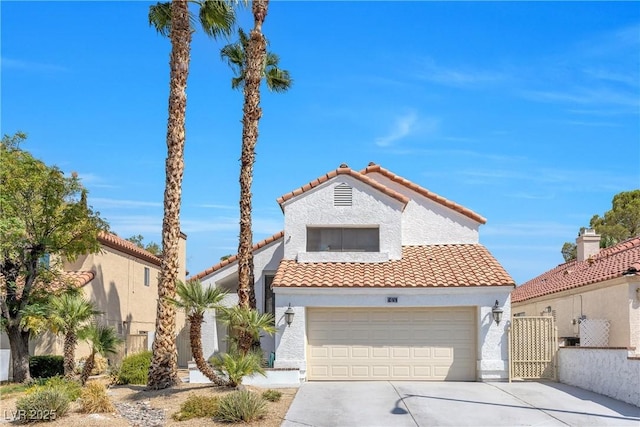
(369,208)
(614,300)
(492,354)
(265,262)
(605,371)
(425,222)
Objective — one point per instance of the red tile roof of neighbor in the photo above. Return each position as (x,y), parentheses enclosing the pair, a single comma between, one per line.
(458,265)
(344,170)
(66,279)
(609,263)
(122,245)
(424,192)
(279,235)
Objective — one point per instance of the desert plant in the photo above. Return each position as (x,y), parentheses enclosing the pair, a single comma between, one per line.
(46,404)
(70,387)
(103,340)
(271,395)
(241,406)
(100,365)
(135,368)
(245,326)
(236,365)
(94,399)
(46,366)
(197,407)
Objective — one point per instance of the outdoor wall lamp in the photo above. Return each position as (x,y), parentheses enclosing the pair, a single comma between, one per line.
(288,315)
(497,313)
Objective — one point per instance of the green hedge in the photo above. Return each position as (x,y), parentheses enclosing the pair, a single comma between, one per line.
(46,366)
(135,368)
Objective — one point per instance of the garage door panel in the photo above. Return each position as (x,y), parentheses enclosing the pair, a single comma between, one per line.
(384,344)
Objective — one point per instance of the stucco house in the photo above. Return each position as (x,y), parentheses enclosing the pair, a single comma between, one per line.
(122,281)
(385,279)
(601,286)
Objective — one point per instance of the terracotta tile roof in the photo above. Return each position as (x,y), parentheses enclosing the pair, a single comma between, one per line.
(423,191)
(118,243)
(65,280)
(279,235)
(343,170)
(78,278)
(608,264)
(460,265)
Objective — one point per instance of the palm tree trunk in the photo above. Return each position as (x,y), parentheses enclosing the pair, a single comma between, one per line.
(70,342)
(256,52)
(88,367)
(163,372)
(195,338)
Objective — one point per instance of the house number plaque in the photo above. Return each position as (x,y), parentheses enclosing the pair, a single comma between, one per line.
(392,299)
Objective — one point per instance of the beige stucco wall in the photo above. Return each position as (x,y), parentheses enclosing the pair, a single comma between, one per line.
(614,300)
(118,290)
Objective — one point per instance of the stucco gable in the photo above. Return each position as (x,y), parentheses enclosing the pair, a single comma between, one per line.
(372,169)
(342,170)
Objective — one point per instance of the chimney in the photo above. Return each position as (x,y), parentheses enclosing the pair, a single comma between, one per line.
(588,243)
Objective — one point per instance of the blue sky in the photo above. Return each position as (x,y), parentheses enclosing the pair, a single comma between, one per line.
(526,113)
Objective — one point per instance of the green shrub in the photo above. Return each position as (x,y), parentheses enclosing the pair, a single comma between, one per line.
(46,366)
(135,368)
(94,399)
(241,406)
(46,404)
(236,366)
(271,395)
(197,407)
(69,387)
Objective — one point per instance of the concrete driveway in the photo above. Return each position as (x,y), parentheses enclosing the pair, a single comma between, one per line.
(397,404)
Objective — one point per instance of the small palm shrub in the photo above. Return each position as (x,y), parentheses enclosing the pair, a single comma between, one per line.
(241,406)
(69,387)
(197,407)
(235,366)
(100,365)
(94,399)
(271,395)
(135,368)
(46,404)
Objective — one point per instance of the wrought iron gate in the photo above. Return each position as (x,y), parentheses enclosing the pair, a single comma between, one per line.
(533,346)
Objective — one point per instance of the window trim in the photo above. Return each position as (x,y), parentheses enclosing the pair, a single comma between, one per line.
(147,277)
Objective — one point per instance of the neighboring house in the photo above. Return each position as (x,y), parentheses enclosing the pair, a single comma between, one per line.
(122,281)
(601,286)
(387,280)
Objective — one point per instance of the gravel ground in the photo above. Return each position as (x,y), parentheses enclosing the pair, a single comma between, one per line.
(141,408)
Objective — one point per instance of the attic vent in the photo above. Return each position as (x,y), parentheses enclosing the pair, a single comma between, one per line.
(342,195)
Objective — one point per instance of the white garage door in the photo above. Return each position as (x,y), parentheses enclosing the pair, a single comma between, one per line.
(391,344)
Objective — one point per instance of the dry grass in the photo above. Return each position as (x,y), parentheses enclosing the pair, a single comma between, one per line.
(170,400)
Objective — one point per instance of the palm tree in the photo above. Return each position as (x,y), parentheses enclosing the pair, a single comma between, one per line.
(69,313)
(103,340)
(245,326)
(277,79)
(195,300)
(217,16)
(249,59)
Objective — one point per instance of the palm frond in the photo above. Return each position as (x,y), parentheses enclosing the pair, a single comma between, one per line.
(217,17)
(194,298)
(278,80)
(160,17)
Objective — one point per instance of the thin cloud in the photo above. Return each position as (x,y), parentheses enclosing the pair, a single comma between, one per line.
(214,206)
(584,96)
(434,73)
(22,65)
(122,204)
(402,128)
